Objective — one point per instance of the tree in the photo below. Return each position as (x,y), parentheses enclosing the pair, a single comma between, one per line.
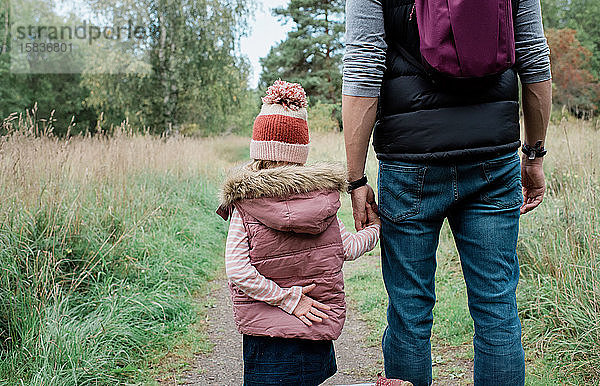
(312,52)
(58,95)
(184,74)
(196,75)
(554,13)
(580,15)
(575,85)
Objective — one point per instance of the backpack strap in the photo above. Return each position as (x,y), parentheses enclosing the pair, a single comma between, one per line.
(404,53)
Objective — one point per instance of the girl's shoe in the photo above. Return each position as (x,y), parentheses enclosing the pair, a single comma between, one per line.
(382,381)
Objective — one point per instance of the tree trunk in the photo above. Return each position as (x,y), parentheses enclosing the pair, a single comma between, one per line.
(332,91)
(4,47)
(166,71)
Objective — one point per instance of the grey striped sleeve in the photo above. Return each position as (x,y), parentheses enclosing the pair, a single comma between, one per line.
(364,59)
(533,54)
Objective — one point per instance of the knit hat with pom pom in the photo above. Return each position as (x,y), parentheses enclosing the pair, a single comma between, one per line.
(280,130)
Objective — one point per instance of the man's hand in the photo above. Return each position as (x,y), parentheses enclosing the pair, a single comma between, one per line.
(360,198)
(359,115)
(307,309)
(372,217)
(534,184)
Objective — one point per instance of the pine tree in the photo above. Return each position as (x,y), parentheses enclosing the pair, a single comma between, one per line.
(312,53)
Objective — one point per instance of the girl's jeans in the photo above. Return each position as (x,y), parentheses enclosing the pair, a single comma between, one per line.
(291,362)
(481,201)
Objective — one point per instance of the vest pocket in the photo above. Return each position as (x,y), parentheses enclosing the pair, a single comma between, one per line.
(400,186)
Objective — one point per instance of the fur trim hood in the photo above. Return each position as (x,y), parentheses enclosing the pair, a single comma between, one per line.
(282,181)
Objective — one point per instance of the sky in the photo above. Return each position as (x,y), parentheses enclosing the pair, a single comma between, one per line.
(265,32)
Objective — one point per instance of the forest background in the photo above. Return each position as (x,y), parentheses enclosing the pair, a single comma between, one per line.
(196,81)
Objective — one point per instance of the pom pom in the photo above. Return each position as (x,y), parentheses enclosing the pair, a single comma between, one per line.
(290,95)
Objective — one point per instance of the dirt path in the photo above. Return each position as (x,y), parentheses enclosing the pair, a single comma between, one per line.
(357,363)
(223,366)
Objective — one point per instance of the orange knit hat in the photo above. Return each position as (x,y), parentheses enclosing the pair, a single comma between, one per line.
(280,131)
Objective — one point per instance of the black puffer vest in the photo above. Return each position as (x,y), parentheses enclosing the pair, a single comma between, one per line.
(419,120)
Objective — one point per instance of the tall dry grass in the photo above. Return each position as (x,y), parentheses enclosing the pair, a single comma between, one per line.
(105,238)
(559,250)
(103,242)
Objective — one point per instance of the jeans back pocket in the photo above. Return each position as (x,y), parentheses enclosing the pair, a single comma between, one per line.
(400,188)
(503,176)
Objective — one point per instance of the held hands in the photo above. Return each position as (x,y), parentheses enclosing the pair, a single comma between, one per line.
(307,309)
(361,197)
(372,217)
(534,185)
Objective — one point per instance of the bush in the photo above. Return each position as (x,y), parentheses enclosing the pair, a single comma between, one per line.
(574,84)
(322,117)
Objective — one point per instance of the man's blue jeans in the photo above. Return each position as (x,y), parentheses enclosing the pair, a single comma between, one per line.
(481,201)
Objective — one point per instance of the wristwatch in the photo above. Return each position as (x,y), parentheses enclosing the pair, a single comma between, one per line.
(356,184)
(533,152)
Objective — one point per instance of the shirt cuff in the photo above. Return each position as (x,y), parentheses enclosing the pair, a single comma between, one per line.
(377,228)
(291,299)
(535,78)
(356,90)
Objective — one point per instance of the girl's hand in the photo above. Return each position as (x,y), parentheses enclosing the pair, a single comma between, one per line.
(307,309)
(372,217)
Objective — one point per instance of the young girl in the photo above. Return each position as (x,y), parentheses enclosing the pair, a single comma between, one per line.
(286,247)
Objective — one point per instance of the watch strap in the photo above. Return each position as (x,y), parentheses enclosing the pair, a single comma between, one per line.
(357,184)
(533,152)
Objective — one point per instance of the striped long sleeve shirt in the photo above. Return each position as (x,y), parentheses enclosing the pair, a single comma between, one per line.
(243,274)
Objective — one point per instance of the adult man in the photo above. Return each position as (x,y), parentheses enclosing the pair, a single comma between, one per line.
(445,154)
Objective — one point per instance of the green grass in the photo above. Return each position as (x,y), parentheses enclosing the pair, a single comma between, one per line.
(97,285)
(452,323)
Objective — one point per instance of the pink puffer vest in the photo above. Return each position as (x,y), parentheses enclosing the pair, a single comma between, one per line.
(294,239)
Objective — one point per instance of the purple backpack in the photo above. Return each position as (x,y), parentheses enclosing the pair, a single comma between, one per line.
(466,38)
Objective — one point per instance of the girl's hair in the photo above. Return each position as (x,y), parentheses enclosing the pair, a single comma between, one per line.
(259,164)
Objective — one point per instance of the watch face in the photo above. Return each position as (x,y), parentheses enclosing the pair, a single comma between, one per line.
(528,151)
(533,152)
